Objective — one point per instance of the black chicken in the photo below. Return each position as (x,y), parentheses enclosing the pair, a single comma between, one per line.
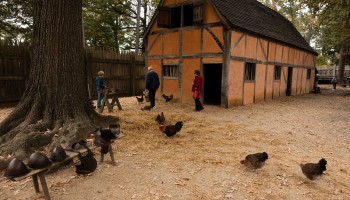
(171,130)
(140,99)
(160,118)
(167,98)
(102,138)
(255,161)
(314,170)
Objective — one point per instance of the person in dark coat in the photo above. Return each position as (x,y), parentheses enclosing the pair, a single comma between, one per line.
(334,83)
(197,90)
(152,84)
(100,86)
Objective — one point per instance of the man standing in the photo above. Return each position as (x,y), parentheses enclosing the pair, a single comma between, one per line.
(152,84)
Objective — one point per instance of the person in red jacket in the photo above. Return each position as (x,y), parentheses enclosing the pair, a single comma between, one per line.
(197,90)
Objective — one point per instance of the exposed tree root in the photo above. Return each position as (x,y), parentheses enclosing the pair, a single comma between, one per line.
(22,136)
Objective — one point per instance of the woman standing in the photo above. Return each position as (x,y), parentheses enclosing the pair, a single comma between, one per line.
(197,90)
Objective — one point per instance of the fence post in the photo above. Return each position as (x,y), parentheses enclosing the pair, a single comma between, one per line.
(132,74)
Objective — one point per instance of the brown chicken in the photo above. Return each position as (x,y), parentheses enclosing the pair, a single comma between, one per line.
(167,98)
(255,161)
(314,170)
(171,130)
(140,99)
(160,119)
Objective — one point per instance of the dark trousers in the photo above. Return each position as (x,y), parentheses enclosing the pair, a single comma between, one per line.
(198,104)
(334,85)
(152,96)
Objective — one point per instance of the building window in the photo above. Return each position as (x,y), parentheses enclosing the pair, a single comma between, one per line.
(171,71)
(198,14)
(249,71)
(184,15)
(308,74)
(277,72)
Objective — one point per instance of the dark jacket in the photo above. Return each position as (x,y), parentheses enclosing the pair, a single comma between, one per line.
(99,83)
(152,80)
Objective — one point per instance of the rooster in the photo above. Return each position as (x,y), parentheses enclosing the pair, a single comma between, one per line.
(140,99)
(160,118)
(255,161)
(171,130)
(314,170)
(167,98)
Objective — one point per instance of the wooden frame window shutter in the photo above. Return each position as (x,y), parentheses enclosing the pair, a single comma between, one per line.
(198,13)
(164,17)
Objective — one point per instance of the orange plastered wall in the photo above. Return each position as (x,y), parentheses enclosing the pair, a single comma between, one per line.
(272,50)
(236,83)
(260,82)
(295,79)
(210,15)
(174,61)
(269,82)
(251,43)
(285,54)
(191,41)
(188,67)
(276,89)
(262,50)
(210,45)
(171,43)
(303,81)
(212,60)
(157,47)
(237,44)
(279,51)
(300,73)
(248,93)
(171,86)
(291,55)
(284,75)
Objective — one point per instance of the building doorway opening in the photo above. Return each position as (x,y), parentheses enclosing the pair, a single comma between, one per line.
(289,81)
(212,83)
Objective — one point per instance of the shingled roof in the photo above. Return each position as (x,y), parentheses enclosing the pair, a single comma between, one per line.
(254,17)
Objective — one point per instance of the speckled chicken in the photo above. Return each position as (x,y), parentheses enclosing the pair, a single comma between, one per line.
(314,170)
(171,130)
(255,161)
(140,99)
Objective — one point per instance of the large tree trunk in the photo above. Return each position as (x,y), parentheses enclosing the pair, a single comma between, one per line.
(341,65)
(55,100)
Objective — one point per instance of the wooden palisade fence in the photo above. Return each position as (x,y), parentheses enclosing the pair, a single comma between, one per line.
(123,71)
(14,68)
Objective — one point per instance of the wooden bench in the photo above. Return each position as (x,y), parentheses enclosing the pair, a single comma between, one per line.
(41,172)
(105,101)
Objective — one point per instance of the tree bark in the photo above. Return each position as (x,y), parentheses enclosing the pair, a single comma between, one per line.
(341,65)
(56,99)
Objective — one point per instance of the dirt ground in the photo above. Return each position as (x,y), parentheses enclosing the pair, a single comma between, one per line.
(203,160)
